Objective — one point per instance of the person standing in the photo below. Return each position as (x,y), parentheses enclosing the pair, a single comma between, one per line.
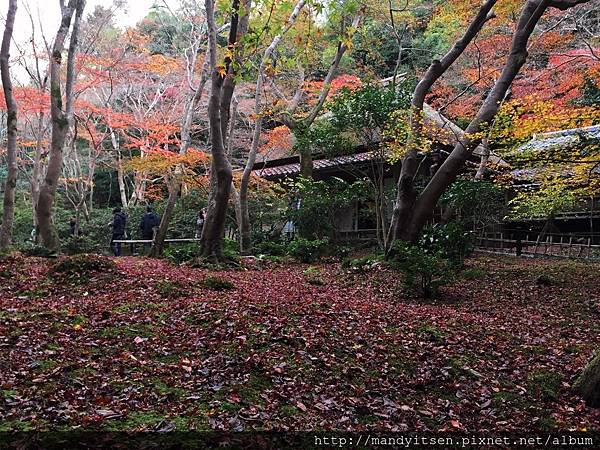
(148,224)
(74,227)
(199,224)
(118,230)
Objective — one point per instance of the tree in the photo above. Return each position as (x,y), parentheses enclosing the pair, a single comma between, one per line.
(194,96)
(11,125)
(61,118)
(244,219)
(223,79)
(412,210)
(300,125)
(406,194)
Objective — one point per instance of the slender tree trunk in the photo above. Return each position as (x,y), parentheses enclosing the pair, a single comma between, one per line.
(10,186)
(175,183)
(37,168)
(120,171)
(406,194)
(244,213)
(218,115)
(485,156)
(60,119)
(161,234)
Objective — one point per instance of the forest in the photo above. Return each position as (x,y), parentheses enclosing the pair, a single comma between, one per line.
(300,219)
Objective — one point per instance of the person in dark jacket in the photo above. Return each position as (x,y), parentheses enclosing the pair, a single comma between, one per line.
(148,224)
(118,229)
(73,226)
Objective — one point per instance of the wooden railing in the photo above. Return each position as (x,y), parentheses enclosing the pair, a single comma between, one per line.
(366,234)
(562,246)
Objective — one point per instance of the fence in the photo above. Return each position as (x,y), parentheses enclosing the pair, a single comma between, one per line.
(582,246)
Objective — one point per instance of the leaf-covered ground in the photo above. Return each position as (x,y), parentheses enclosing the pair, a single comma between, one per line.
(150,346)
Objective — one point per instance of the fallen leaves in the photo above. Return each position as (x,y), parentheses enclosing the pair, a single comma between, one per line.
(275,352)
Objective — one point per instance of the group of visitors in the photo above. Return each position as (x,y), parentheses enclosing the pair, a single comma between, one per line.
(148,226)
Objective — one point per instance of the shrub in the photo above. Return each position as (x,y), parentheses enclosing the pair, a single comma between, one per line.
(31,249)
(82,265)
(307,251)
(217,283)
(423,272)
(80,244)
(315,204)
(231,249)
(271,248)
(342,251)
(546,280)
(450,241)
(183,253)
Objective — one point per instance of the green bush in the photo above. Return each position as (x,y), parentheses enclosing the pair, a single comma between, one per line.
(231,249)
(450,241)
(319,202)
(217,283)
(82,265)
(342,251)
(76,245)
(31,249)
(271,248)
(183,253)
(423,272)
(306,250)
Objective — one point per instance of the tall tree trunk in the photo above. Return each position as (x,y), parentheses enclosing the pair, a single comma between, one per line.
(161,234)
(406,194)
(120,172)
(244,213)
(410,219)
(174,184)
(10,186)
(588,383)
(60,119)
(485,157)
(37,168)
(218,115)
(448,171)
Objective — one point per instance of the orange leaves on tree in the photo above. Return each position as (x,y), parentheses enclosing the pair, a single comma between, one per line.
(159,162)
(278,142)
(29,100)
(350,82)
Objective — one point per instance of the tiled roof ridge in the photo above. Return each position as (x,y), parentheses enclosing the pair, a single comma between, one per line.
(567,132)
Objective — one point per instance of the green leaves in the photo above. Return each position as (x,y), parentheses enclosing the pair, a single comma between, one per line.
(319,201)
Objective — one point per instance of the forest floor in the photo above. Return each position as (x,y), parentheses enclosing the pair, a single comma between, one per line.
(151,346)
